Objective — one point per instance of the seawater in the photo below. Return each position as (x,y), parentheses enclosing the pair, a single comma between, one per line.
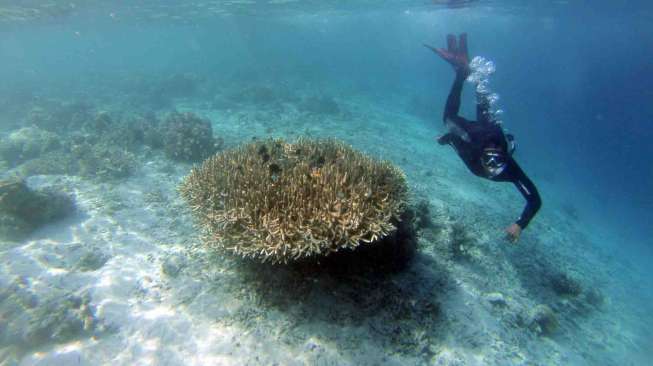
(574,84)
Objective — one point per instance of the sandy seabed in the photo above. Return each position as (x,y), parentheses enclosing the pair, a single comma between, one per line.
(125,281)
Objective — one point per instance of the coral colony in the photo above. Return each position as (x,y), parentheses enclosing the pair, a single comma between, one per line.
(279,201)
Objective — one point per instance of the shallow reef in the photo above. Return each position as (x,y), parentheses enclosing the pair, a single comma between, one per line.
(101,144)
(353,272)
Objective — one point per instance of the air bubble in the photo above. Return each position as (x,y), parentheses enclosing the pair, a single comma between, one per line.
(481,70)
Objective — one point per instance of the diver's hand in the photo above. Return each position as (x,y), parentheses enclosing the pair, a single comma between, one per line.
(513,232)
(456,53)
(443,139)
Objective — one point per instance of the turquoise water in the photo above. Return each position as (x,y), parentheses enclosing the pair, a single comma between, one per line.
(86,96)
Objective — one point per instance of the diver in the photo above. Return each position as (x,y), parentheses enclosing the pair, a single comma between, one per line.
(482,144)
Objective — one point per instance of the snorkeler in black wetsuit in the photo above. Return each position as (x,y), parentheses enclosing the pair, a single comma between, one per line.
(482,144)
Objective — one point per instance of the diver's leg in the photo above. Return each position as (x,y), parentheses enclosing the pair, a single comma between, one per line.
(452,107)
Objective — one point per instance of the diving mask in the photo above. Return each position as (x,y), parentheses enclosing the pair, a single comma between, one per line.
(494,161)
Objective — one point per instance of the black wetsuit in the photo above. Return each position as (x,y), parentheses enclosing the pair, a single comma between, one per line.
(471,138)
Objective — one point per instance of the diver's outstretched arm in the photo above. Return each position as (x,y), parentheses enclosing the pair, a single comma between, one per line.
(526,187)
(530,193)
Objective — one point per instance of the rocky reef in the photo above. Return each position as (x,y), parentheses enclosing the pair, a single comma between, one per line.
(565,285)
(188,137)
(543,320)
(27,143)
(23,210)
(33,321)
(77,139)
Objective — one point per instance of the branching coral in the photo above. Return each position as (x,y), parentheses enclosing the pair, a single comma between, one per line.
(281,202)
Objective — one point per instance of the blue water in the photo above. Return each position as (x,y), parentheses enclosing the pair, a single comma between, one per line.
(574,79)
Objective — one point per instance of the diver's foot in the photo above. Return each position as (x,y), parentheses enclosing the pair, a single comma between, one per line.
(456,53)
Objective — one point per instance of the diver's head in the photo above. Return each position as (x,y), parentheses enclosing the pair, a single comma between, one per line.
(493,160)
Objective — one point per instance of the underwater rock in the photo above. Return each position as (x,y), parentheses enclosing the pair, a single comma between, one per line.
(564,285)
(32,321)
(496,299)
(14,228)
(102,161)
(281,202)
(423,215)
(594,297)
(61,116)
(27,143)
(188,137)
(132,133)
(102,150)
(148,130)
(324,105)
(543,320)
(461,242)
(23,210)
(91,261)
(172,265)
(54,162)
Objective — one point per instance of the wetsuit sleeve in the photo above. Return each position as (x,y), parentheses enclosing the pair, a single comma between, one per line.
(530,193)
